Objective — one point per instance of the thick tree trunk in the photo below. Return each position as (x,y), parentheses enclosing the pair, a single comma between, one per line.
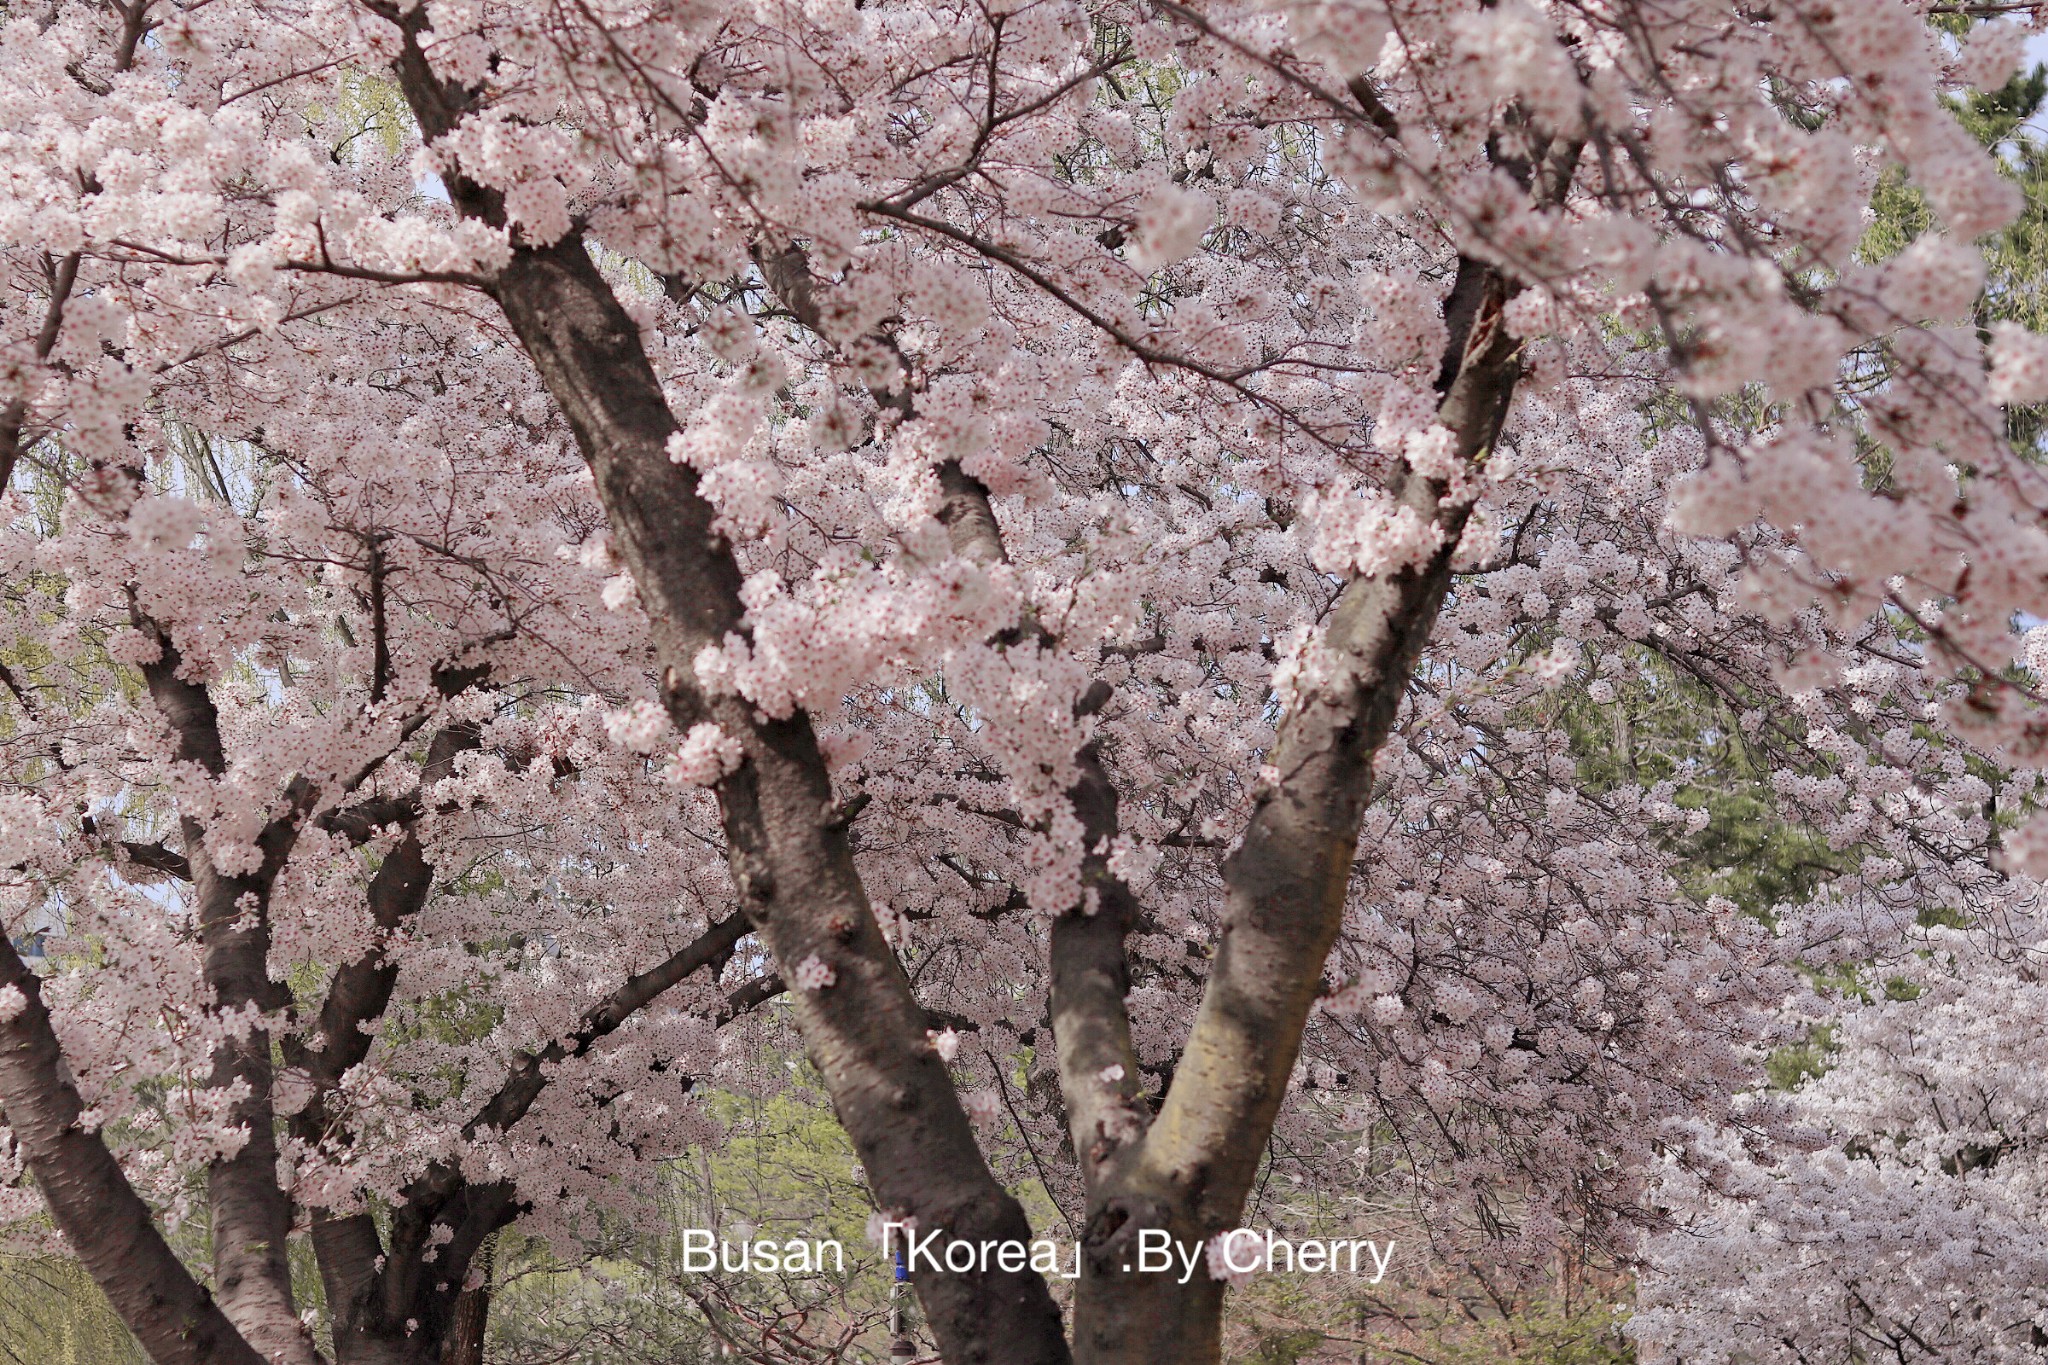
(114,1233)
(791,860)
(348,1251)
(792,864)
(1191,1174)
(1090,974)
(251,1215)
(388,1305)
(1285,886)
(109,1227)
(472,1318)
(368,1327)
(1151,1319)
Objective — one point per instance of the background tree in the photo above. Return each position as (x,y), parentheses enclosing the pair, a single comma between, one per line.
(1917,1138)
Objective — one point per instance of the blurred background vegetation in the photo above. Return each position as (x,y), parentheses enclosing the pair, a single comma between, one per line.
(52,1314)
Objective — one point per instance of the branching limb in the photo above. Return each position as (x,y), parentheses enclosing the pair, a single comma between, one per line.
(109,1227)
(528,1074)
(1090,972)
(251,1213)
(792,865)
(1285,888)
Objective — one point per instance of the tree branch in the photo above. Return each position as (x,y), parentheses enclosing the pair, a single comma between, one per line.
(109,1227)
(63,278)
(1090,970)
(1285,888)
(793,867)
(251,1214)
(527,1075)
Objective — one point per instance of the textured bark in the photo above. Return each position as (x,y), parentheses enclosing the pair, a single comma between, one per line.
(1087,963)
(1191,1172)
(791,861)
(527,1074)
(391,1306)
(367,1328)
(157,858)
(91,1201)
(14,415)
(175,1318)
(1090,977)
(1285,888)
(374,1291)
(413,1290)
(360,990)
(349,1251)
(1285,884)
(472,1321)
(251,1215)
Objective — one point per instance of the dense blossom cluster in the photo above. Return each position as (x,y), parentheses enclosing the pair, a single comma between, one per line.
(1905,1218)
(308,581)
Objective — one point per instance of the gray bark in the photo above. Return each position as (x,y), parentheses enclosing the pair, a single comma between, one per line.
(251,1215)
(91,1201)
(1285,886)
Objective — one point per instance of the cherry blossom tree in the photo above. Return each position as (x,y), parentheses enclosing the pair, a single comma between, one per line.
(1907,1223)
(1043,531)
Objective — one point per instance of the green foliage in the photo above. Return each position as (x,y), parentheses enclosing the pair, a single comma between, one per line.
(373,109)
(784,1170)
(1662,726)
(1997,116)
(51,1313)
(1901,214)
(2016,259)
(1285,1347)
(1445,1319)
(1795,1063)
(1545,1333)
(599,1312)
(787,1168)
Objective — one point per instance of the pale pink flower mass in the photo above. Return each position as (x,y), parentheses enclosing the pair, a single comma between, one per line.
(532,531)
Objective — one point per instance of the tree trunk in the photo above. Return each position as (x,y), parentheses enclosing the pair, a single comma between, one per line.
(792,863)
(107,1224)
(1137,1318)
(472,1315)
(1285,886)
(251,1214)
